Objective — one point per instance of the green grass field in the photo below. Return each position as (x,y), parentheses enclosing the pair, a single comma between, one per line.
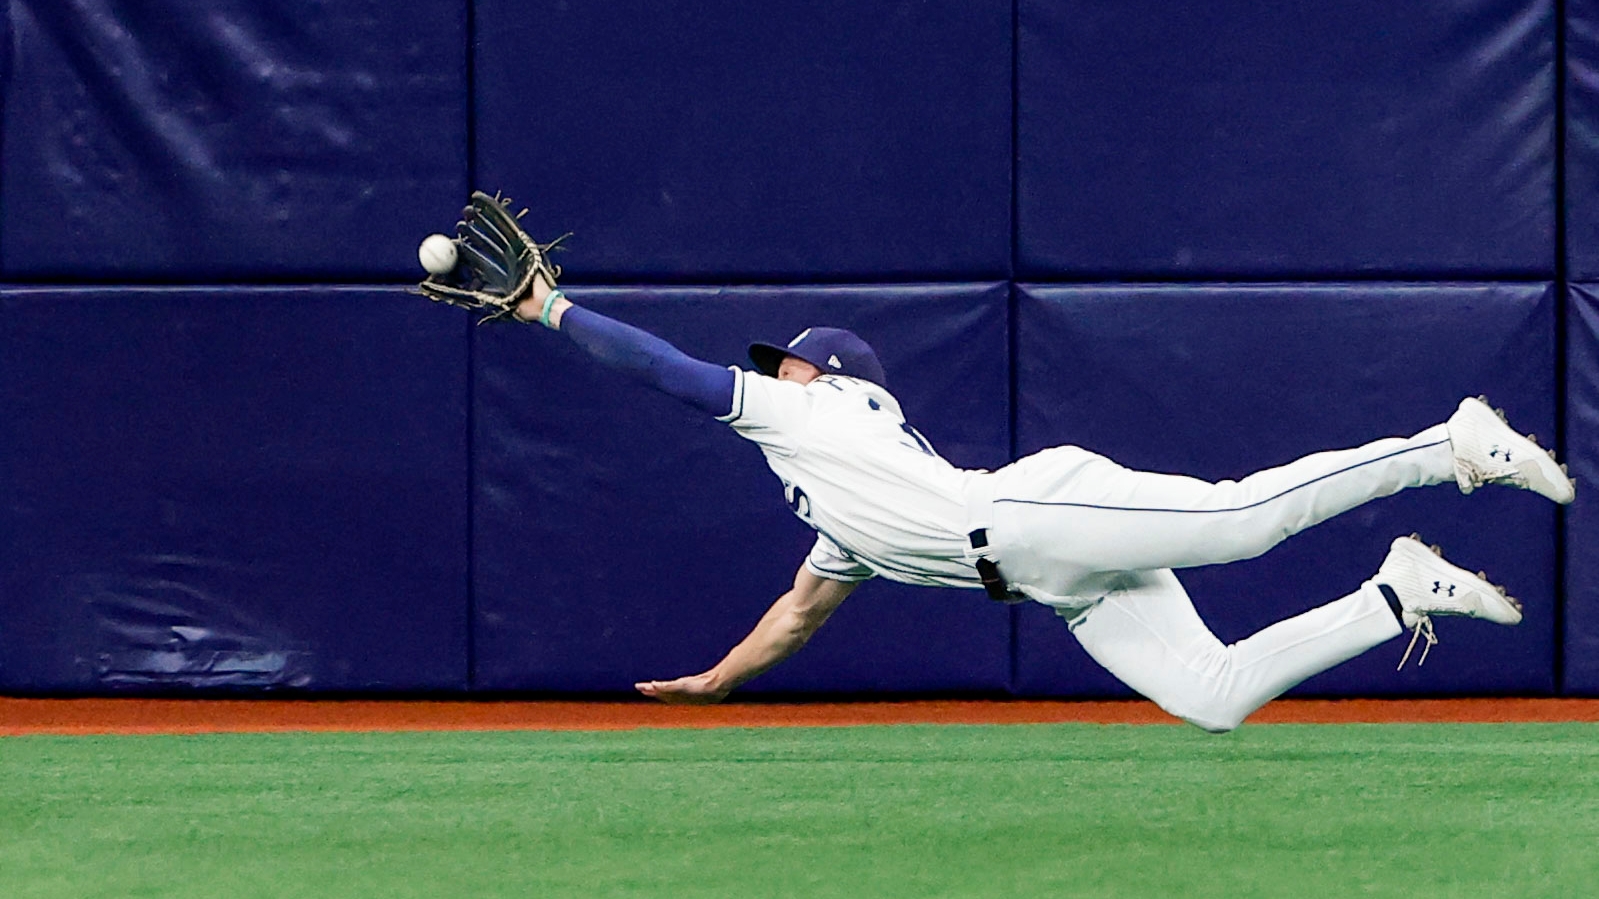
(1060,810)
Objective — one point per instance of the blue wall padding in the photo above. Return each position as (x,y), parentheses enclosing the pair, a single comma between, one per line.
(1219,381)
(1581,649)
(5,79)
(5,52)
(776,141)
(183,141)
(1264,140)
(213,487)
(620,535)
(1582,140)
(342,489)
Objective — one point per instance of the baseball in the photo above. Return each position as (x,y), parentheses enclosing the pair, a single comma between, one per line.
(437,254)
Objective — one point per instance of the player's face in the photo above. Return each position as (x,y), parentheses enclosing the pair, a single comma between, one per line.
(793,368)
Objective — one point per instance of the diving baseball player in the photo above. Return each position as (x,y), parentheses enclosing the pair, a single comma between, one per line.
(1063,527)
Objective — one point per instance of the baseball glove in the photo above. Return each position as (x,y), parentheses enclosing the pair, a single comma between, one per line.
(496,261)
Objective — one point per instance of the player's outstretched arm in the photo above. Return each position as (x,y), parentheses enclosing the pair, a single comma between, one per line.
(785,627)
(634,352)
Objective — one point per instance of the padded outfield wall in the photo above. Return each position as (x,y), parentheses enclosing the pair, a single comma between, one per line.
(1198,237)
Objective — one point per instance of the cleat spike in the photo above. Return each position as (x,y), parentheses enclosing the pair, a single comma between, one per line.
(1532,439)
(1437,550)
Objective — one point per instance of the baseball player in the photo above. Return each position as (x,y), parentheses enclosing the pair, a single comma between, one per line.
(1063,527)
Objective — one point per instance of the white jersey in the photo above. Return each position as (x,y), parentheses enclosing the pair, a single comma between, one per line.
(881,500)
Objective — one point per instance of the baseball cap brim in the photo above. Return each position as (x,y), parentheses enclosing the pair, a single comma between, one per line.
(767,357)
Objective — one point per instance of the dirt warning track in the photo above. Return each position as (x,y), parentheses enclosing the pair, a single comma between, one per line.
(145,716)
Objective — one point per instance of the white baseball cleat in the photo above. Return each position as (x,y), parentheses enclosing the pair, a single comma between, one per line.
(1487,451)
(1426,585)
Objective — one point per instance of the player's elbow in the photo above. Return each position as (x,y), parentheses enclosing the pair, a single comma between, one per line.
(800,624)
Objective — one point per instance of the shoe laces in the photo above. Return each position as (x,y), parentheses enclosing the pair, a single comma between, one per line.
(1423,632)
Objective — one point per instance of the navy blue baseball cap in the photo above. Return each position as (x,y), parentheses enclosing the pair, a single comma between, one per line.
(833,350)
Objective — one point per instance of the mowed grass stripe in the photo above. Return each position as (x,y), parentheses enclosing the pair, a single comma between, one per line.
(1080,810)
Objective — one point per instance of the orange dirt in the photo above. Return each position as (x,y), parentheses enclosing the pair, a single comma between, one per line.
(130,716)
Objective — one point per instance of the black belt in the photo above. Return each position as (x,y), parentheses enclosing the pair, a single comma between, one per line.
(994,583)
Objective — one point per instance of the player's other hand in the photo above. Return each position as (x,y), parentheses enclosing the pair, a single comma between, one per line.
(696,689)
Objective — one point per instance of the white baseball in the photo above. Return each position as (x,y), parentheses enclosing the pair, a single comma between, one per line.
(437,254)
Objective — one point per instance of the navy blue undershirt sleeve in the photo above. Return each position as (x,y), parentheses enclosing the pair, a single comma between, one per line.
(649,359)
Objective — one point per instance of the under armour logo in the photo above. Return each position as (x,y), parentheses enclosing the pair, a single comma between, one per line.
(1445,589)
(1499,452)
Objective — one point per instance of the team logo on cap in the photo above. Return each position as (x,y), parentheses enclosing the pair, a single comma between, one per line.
(833,361)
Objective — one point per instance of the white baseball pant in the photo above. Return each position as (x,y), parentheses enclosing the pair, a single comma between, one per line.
(1079,532)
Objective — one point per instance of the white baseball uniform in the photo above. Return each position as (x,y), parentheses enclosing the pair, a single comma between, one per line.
(1075,531)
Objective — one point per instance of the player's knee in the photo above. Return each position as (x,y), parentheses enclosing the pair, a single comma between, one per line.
(1237,544)
(1212,714)
(1215,727)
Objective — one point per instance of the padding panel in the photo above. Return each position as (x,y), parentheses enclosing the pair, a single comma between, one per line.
(781,140)
(1582,139)
(1219,381)
(179,141)
(212,488)
(1264,140)
(1581,649)
(622,536)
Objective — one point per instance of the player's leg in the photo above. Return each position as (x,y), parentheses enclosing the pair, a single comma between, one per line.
(1149,636)
(1147,633)
(1065,513)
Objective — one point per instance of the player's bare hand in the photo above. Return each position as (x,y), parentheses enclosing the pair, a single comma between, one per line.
(696,689)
